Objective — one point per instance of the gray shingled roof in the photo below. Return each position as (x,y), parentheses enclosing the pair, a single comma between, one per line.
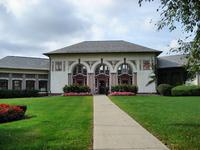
(103,47)
(171,61)
(16,62)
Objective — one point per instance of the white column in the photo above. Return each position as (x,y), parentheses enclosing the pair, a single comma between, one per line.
(10,81)
(23,82)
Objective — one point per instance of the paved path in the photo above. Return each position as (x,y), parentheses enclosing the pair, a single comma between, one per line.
(115,130)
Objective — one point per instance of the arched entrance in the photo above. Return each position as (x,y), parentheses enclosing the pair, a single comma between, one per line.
(102,74)
(80,75)
(124,74)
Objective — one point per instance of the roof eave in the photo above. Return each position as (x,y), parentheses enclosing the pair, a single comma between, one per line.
(38,69)
(48,54)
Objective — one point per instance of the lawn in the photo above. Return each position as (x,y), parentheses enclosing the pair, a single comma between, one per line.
(174,120)
(55,123)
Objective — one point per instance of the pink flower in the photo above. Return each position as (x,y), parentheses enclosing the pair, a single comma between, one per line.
(122,94)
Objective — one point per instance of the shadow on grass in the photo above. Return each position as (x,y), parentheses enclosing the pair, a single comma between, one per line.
(9,134)
(29,116)
(24,118)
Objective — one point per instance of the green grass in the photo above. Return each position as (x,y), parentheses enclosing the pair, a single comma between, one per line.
(56,123)
(174,120)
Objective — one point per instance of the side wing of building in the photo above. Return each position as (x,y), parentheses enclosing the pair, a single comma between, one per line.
(24,73)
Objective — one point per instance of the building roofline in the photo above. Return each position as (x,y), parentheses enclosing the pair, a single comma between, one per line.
(81,48)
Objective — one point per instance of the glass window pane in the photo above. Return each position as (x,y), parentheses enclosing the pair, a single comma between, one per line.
(17,84)
(30,85)
(3,84)
(43,86)
(58,66)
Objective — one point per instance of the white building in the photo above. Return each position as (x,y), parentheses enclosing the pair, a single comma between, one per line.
(98,64)
(102,64)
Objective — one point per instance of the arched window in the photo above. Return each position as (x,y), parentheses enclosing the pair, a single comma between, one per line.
(124,74)
(80,69)
(124,69)
(80,75)
(102,69)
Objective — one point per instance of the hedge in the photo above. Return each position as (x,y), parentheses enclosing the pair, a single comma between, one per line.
(186,90)
(76,89)
(164,89)
(125,88)
(18,93)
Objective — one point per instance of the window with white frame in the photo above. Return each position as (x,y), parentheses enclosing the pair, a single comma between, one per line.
(17,84)
(30,85)
(43,85)
(58,66)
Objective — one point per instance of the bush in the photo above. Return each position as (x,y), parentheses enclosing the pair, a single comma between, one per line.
(186,90)
(11,113)
(76,89)
(164,89)
(18,93)
(77,94)
(124,88)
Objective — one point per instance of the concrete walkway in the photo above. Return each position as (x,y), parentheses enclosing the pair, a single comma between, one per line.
(115,130)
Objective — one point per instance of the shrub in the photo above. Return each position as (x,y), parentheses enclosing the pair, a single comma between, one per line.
(164,89)
(77,94)
(11,113)
(186,90)
(18,93)
(124,88)
(76,89)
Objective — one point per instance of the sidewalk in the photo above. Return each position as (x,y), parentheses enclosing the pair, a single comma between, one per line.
(115,130)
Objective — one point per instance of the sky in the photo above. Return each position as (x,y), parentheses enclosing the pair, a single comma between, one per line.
(33,27)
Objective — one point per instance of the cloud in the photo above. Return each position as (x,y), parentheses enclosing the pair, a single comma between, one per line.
(37,22)
(37,26)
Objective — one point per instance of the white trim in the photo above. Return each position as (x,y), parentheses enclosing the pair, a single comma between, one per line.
(134,69)
(71,67)
(94,66)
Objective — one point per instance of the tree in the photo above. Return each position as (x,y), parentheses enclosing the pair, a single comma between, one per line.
(186,12)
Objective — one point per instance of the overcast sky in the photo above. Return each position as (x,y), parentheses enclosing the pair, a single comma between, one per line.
(32,27)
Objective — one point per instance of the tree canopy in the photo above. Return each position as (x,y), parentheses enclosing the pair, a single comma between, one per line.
(186,12)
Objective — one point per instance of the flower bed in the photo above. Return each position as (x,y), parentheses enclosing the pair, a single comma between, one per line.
(77,94)
(122,94)
(11,113)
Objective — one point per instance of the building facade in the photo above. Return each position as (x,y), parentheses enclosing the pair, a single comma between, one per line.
(24,73)
(101,65)
(97,64)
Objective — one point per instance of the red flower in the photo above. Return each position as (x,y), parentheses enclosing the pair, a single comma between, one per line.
(3,111)
(4,106)
(16,108)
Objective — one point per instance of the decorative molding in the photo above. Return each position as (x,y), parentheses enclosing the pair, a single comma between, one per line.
(110,61)
(87,62)
(70,63)
(90,63)
(134,63)
(113,62)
